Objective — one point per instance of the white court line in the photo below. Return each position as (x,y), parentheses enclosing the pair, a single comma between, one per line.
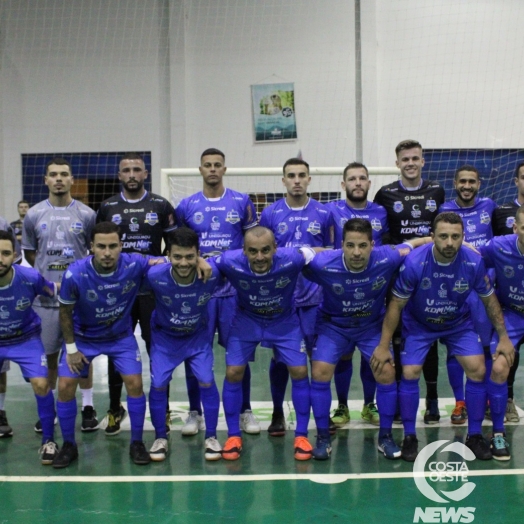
(320,478)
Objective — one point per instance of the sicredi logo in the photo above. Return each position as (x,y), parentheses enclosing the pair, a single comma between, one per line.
(428,467)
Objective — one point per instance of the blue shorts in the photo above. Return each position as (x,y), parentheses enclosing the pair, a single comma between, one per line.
(285,337)
(29,355)
(515,328)
(460,341)
(481,321)
(168,352)
(221,311)
(123,351)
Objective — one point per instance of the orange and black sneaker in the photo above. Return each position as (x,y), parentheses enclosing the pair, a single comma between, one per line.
(303,448)
(232,448)
(459,415)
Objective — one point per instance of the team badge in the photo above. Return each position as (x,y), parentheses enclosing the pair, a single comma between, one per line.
(282,282)
(461,286)
(378,283)
(203,299)
(509,272)
(398,206)
(281,228)
(338,289)
(243,284)
(117,219)
(426,283)
(166,300)
(313,228)
(376,225)
(485,218)
(510,221)
(198,218)
(92,295)
(232,217)
(431,205)
(151,219)
(76,228)
(22,304)
(128,286)
(43,226)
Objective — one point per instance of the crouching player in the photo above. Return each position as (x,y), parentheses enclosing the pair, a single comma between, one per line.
(179,333)
(20,329)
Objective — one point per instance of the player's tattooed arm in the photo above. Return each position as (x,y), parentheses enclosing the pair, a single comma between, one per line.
(75,359)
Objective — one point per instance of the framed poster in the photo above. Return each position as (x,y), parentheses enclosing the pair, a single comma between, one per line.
(274,112)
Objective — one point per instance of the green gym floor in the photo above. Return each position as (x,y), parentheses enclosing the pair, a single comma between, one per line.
(265,485)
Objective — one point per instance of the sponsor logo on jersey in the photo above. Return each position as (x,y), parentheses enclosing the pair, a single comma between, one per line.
(58,266)
(398,206)
(151,219)
(243,284)
(53,218)
(431,205)
(358,294)
(415,211)
(21,304)
(203,299)
(461,285)
(264,291)
(91,295)
(117,219)
(485,218)
(111,299)
(281,228)
(232,217)
(128,286)
(185,308)
(425,283)
(166,300)
(4,312)
(76,228)
(509,272)
(314,228)
(282,282)
(470,226)
(338,289)
(510,221)
(375,224)
(133,211)
(378,283)
(134,226)
(215,223)
(443,292)
(298,233)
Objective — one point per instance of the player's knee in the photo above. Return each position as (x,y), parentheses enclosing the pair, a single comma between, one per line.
(386,376)
(321,372)
(40,386)
(500,370)
(67,389)
(133,385)
(235,373)
(297,372)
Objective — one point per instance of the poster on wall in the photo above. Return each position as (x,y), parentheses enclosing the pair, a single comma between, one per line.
(274,112)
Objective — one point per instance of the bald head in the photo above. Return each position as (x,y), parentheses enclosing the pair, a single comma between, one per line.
(259,248)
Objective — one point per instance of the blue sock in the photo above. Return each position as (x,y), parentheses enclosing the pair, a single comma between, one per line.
(476,403)
(343,372)
(321,403)
(300,394)
(498,398)
(456,378)
(369,384)
(246,390)
(66,412)
(489,361)
(387,406)
(193,390)
(157,410)
(211,402)
(409,397)
(278,377)
(232,401)
(136,408)
(46,413)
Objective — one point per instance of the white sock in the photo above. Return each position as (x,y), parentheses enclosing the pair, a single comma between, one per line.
(87,397)
(2,401)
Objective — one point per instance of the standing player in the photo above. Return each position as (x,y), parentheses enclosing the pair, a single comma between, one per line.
(356,184)
(16,225)
(412,204)
(20,329)
(265,279)
(144,219)
(179,333)
(220,216)
(56,233)
(476,213)
(296,221)
(432,289)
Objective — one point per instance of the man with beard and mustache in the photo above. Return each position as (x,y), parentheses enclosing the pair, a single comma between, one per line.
(144,219)
(356,184)
(431,293)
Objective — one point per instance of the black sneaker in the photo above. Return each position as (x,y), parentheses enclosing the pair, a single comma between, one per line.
(66,455)
(277,428)
(500,447)
(409,448)
(432,413)
(138,453)
(480,447)
(89,420)
(114,420)
(48,452)
(5,428)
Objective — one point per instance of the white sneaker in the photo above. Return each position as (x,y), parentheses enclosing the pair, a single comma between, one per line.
(194,423)
(249,423)
(158,450)
(213,449)
(48,452)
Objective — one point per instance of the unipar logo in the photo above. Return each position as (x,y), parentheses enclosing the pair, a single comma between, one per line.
(429,471)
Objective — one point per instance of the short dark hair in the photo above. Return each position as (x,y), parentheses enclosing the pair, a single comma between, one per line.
(358,225)
(59,161)
(106,228)
(131,156)
(212,151)
(22,202)
(467,167)
(295,162)
(354,165)
(183,237)
(519,165)
(6,235)
(407,144)
(449,218)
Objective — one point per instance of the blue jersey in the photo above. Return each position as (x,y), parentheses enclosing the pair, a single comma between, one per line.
(18,321)
(375,213)
(309,226)
(355,299)
(477,219)
(180,310)
(503,254)
(267,296)
(219,222)
(103,302)
(437,292)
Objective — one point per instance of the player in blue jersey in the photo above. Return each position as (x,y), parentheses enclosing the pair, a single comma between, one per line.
(296,221)
(356,184)
(20,329)
(180,333)
(476,213)
(505,254)
(220,216)
(265,279)
(431,293)
(355,281)
(57,232)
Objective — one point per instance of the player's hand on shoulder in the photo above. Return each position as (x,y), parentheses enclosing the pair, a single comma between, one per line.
(204,270)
